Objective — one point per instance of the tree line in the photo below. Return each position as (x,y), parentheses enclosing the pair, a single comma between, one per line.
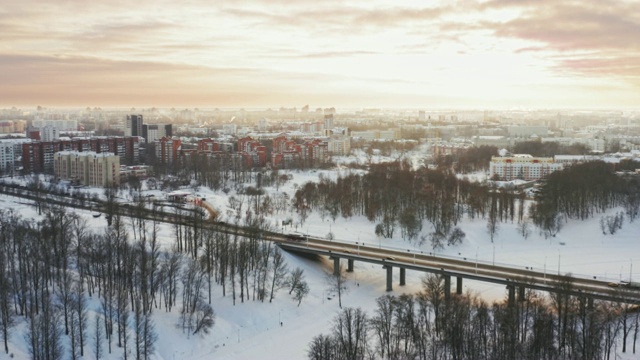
(583,190)
(430,325)
(394,196)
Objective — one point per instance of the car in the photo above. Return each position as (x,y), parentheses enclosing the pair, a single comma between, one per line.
(613,284)
(390,258)
(346,250)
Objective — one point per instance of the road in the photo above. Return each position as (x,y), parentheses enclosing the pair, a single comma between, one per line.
(468,269)
(408,259)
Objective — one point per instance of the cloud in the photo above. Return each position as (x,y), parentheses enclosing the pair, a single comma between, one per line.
(81,80)
(593,38)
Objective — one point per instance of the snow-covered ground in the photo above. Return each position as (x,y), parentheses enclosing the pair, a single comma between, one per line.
(282,330)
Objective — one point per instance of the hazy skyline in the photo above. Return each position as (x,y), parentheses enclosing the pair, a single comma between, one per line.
(492,54)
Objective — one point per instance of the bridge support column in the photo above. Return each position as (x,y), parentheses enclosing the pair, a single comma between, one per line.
(512,294)
(389,277)
(447,286)
(590,304)
(521,293)
(402,276)
(349,265)
(459,285)
(336,266)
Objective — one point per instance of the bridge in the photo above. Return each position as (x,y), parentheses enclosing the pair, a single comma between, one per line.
(514,278)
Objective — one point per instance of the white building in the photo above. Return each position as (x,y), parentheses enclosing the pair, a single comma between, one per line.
(339,145)
(61,125)
(49,133)
(523,167)
(596,145)
(10,154)
(229,129)
(527,131)
(87,168)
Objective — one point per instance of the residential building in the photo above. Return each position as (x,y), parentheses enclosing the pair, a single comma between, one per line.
(523,166)
(154,132)
(49,133)
(88,168)
(339,145)
(133,126)
(167,149)
(37,156)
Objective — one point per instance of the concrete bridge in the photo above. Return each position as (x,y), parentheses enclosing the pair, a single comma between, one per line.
(516,279)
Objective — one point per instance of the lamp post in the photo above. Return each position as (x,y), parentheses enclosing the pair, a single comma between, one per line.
(558,261)
(476,259)
(494,254)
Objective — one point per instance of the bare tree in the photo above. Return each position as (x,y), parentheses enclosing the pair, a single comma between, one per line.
(301,291)
(205,318)
(279,272)
(295,277)
(338,283)
(97,338)
(350,331)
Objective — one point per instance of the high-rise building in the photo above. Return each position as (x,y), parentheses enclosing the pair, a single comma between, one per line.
(49,133)
(133,126)
(167,149)
(154,132)
(328,122)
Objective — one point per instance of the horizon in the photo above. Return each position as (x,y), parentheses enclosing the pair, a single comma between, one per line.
(495,54)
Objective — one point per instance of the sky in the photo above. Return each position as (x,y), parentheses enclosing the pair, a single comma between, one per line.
(351,53)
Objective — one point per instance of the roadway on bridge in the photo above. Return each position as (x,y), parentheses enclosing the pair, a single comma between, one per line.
(469,269)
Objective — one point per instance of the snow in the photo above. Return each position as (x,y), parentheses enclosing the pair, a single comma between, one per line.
(253,329)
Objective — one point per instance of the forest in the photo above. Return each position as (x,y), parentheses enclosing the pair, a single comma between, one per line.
(396,197)
(98,290)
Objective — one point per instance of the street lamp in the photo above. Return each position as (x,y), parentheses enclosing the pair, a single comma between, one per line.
(494,254)
(476,259)
(558,261)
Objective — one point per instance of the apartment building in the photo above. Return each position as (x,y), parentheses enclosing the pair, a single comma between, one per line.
(87,168)
(523,166)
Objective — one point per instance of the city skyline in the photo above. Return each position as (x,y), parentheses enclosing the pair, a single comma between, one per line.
(251,53)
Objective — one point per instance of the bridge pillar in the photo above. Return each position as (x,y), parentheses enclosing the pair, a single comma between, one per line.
(389,277)
(336,266)
(590,303)
(459,285)
(521,293)
(402,276)
(349,265)
(447,286)
(512,294)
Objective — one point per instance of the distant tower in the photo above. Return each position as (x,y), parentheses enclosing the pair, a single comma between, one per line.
(134,125)
(422,115)
(328,122)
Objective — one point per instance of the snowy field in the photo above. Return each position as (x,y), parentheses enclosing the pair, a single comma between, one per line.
(281,330)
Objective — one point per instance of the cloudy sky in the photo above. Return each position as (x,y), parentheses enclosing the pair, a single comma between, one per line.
(343,53)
